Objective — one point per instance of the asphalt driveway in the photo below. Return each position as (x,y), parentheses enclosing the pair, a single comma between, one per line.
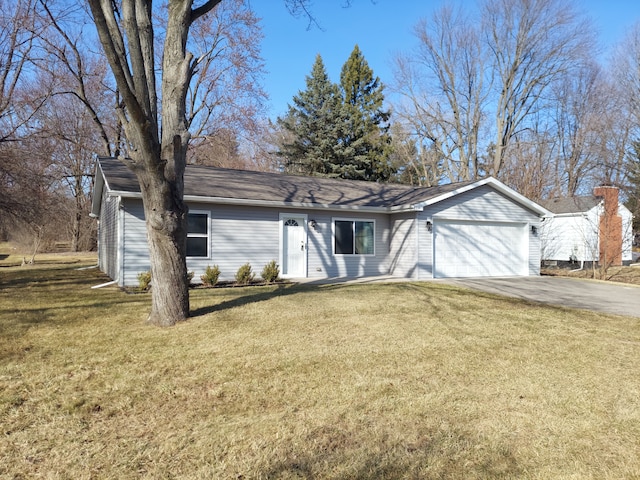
(605,297)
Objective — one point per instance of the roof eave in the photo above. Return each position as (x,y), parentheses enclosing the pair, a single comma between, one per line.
(98,188)
(265,203)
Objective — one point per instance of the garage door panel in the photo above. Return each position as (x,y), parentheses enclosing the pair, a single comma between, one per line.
(478,249)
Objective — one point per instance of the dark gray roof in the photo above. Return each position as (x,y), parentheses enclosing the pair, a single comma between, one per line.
(570,204)
(210,182)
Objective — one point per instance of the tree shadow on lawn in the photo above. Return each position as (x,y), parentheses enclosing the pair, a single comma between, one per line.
(279,290)
(437,453)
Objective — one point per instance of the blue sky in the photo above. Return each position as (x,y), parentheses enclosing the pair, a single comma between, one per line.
(380,28)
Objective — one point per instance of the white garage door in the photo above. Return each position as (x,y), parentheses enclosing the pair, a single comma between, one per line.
(479,249)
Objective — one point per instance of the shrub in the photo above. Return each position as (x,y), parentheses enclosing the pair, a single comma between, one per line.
(144,281)
(210,277)
(244,275)
(270,272)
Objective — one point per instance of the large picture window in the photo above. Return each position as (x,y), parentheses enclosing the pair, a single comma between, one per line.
(198,235)
(354,237)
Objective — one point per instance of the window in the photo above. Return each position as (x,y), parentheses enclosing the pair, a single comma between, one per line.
(198,235)
(353,237)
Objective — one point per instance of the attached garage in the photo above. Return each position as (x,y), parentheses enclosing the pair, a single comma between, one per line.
(479,249)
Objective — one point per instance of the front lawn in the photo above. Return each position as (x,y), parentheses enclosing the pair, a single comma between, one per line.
(399,380)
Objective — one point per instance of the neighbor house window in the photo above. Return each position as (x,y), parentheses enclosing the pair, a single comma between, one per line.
(198,234)
(353,237)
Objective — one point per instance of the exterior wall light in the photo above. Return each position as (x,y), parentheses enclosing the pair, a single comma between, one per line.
(429,226)
(313,224)
(534,230)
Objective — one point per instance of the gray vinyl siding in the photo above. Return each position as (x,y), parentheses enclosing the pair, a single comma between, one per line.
(108,236)
(403,251)
(135,257)
(480,204)
(239,235)
(323,263)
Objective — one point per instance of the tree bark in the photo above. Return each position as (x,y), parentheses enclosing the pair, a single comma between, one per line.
(158,158)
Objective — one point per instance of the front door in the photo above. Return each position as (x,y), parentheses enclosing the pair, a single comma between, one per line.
(294,246)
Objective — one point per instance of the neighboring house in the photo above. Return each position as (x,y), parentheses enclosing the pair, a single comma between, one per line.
(325,228)
(587,229)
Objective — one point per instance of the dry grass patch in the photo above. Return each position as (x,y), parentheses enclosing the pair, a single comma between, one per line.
(623,274)
(360,381)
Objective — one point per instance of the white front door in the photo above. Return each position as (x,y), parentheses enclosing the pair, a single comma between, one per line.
(294,245)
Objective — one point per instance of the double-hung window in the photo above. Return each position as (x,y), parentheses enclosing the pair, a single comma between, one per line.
(354,237)
(198,234)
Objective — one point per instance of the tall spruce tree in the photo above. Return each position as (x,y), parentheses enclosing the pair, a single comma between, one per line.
(313,124)
(366,144)
(338,130)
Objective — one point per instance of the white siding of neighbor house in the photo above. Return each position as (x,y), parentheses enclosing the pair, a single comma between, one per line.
(566,238)
(403,254)
(627,234)
(575,237)
(479,204)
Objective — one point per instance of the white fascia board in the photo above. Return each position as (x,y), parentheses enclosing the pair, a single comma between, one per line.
(499,186)
(570,214)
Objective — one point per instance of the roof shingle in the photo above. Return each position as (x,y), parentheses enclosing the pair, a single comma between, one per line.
(210,182)
(561,205)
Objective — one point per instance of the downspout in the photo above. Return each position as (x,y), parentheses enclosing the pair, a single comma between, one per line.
(112,282)
(585,217)
(578,269)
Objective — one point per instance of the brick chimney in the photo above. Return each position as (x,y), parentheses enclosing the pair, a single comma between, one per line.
(610,227)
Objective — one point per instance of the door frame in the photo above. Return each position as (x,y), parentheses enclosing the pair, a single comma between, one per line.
(281,220)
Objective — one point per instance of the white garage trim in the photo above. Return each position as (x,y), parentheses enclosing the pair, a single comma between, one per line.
(479,248)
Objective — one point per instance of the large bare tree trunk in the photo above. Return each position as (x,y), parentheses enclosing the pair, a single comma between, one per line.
(158,155)
(165,214)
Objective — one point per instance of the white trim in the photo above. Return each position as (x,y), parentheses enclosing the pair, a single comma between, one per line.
(351,219)
(200,235)
(120,222)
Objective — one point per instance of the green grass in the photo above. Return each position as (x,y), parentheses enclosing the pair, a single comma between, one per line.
(400,380)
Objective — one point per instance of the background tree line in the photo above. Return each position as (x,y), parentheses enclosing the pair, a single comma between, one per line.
(60,104)
(515,90)
(512,89)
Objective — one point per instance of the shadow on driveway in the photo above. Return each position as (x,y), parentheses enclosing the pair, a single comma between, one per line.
(592,295)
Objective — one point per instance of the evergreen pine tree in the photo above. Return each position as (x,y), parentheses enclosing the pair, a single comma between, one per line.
(313,123)
(366,144)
